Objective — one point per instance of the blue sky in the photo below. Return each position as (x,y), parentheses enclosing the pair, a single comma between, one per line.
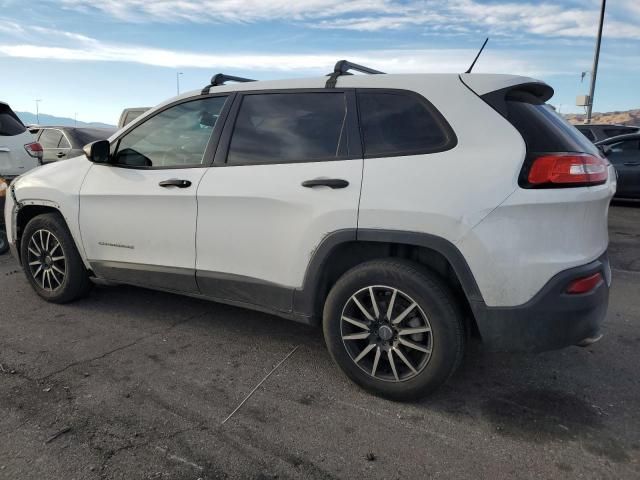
(95,58)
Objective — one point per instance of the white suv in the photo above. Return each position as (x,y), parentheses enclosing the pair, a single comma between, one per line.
(401,212)
(19,152)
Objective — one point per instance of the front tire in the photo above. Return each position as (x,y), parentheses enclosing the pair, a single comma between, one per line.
(394,328)
(51,261)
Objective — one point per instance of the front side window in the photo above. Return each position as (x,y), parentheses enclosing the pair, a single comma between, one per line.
(177,136)
(396,123)
(50,138)
(625,151)
(289,127)
(626,146)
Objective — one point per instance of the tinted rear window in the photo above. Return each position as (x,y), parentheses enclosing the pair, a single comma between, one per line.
(544,130)
(10,124)
(397,123)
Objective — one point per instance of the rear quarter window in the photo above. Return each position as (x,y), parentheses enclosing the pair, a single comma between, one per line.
(10,124)
(542,129)
(397,123)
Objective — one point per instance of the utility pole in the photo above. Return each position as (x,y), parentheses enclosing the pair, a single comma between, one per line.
(38,100)
(178,82)
(75,119)
(596,57)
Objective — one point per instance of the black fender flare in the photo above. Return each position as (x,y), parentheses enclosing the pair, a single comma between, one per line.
(304,298)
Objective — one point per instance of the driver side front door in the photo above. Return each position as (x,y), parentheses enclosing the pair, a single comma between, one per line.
(138,213)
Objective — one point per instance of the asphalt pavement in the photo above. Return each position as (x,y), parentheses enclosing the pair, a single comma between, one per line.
(134,384)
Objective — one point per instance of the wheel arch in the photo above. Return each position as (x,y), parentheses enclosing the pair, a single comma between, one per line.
(27,211)
(343,250)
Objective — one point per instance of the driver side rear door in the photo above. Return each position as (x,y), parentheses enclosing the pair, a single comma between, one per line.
(138,213)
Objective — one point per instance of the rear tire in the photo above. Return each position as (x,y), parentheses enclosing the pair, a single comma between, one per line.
(51,261)
(408,343)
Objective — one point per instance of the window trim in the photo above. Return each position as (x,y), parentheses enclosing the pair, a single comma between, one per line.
(439,118)
(64,135)
(212,144)
(354,144)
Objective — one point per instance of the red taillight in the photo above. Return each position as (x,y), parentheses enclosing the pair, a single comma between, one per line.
(584,284)
(34,149)
(570,169)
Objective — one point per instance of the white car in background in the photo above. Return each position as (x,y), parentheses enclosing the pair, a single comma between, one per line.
(19,152)
(400,212)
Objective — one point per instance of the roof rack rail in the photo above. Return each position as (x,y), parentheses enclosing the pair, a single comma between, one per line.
(221,78)
(342,68)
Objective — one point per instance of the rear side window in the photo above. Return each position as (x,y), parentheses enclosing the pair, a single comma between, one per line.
(10,124)
(289,127)
(401,123)
(50,138)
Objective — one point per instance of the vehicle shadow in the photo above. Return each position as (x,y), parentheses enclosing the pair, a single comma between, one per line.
(625,202)
(534,398)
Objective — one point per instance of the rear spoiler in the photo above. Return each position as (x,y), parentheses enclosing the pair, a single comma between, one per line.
(497,89)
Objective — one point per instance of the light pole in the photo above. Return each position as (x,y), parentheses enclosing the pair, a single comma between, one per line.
(38,100)
(178,82)
(596,57)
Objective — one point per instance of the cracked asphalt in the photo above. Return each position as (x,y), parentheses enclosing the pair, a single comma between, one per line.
(134,384)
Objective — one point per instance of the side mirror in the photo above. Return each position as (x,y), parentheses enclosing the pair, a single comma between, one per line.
(98,152)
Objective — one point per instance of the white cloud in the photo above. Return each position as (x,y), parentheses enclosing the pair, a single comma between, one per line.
(241,11)
(502,18)
(10,28)
(544,19)
(72,47)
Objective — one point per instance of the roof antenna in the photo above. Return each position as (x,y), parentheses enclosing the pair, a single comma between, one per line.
(477,56)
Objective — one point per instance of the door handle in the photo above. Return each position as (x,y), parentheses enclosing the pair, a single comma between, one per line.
(632,164)
(60,154)
(5,149)
(325,182)
(175,182)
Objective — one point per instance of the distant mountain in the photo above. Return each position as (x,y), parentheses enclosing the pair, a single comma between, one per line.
(29,118)
(630,117)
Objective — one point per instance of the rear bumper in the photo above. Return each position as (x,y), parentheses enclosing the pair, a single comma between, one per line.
(552,319)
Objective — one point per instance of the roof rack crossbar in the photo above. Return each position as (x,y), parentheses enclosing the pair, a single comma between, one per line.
(342,67)
(221,78)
